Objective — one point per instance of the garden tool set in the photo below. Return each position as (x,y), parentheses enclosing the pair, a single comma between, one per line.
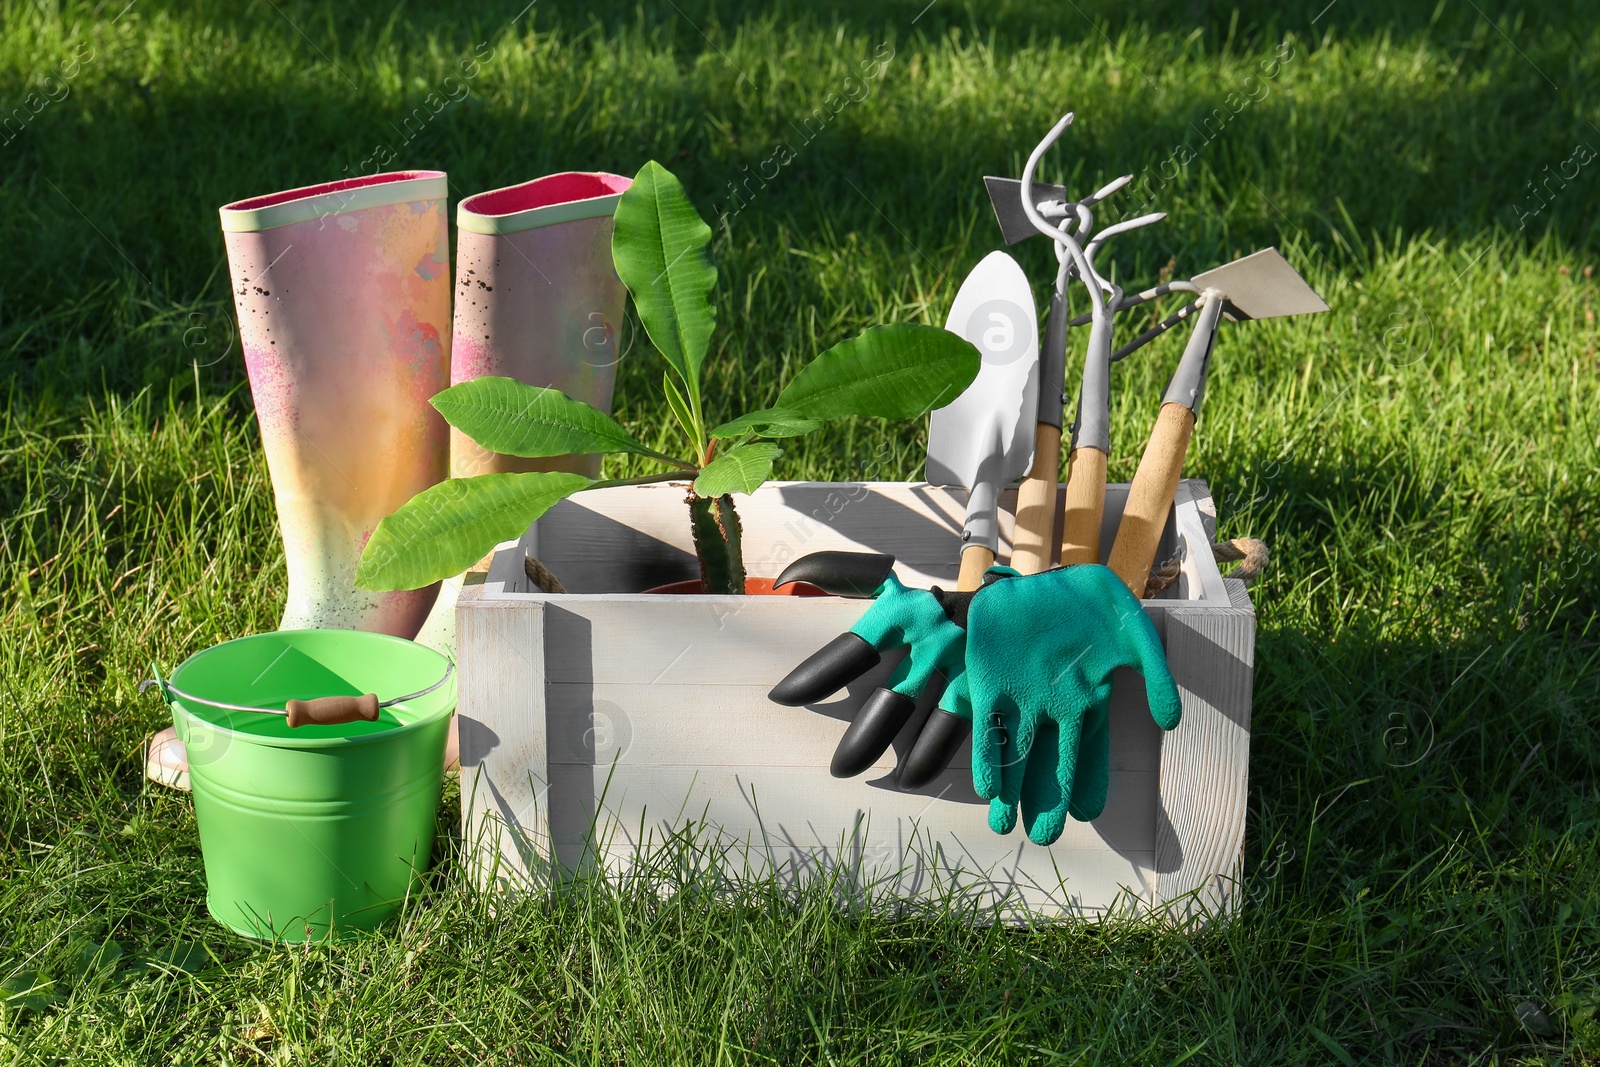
(1027,653)
(1262,285)
(1091,436)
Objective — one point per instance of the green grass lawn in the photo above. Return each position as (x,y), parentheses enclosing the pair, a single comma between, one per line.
(1423,884)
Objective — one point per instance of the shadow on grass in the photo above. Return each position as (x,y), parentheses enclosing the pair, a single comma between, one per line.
(112,192)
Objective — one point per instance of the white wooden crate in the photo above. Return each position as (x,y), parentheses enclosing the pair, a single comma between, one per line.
(598,723)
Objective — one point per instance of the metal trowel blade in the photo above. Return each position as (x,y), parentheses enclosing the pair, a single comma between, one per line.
(998,411)
(1262,285)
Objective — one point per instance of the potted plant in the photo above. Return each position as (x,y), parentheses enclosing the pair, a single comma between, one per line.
(660,247)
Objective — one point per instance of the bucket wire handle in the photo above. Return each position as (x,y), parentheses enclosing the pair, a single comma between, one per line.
(318,711)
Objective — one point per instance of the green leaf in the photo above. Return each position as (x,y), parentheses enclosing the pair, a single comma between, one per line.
(680,410)
(768,422)
(660,247)
(1327,1042)
(91,955)
(445,529)
(893,372)
(505,415)
(28,989)
(185,956)
(738,470)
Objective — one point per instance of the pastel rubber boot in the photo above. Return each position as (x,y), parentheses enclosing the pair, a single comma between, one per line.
(343,296)
(536,299)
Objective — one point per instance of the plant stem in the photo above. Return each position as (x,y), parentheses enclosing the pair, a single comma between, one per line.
(681,464)
(699,419)
(718,543)
(644,479)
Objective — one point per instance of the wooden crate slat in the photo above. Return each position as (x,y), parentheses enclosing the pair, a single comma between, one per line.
(1205,761)
(498,649)
(789,803)
(592,723)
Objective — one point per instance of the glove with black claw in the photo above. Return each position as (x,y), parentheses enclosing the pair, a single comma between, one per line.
(929,624)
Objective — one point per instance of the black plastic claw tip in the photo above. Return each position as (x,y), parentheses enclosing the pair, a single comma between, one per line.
(826,671)
(936,745)
(871,733)
(839,573)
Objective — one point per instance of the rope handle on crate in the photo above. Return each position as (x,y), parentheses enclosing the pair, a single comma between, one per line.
(1249,552)
(541,577)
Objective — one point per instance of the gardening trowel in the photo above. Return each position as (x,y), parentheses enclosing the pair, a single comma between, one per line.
(983,439)
(1259,286)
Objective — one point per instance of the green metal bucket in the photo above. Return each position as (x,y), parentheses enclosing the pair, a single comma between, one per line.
(314,830)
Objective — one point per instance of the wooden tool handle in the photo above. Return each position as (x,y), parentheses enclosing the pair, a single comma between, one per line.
(332,711)
(1150,497)
(1086,503)
(975,559)
(1032,543)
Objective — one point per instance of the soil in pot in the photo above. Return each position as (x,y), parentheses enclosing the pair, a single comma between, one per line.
(752,587)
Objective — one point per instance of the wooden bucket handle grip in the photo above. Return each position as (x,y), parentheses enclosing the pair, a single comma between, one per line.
(332,711)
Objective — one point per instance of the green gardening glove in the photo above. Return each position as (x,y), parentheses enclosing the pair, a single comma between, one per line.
(1040,652)
(914,619)
(918,620)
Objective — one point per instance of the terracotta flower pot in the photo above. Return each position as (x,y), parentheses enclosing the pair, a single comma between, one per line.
(752,587)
